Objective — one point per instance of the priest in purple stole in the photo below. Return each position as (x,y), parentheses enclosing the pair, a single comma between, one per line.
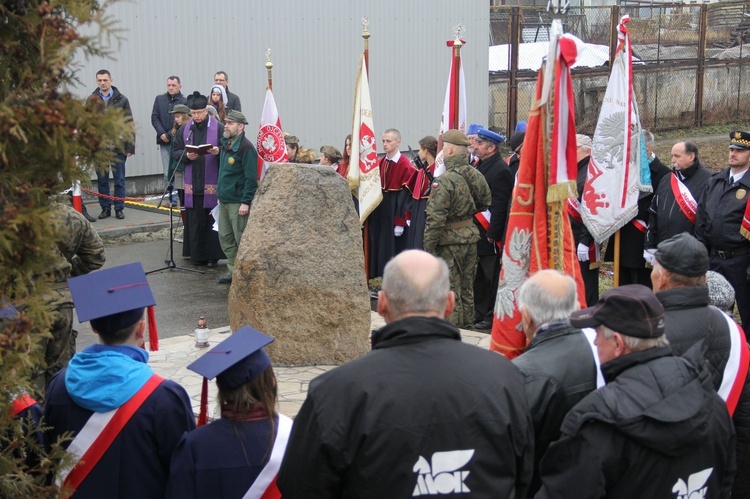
(201,242)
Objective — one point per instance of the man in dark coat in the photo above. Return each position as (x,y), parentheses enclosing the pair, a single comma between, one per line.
(679,279)
(723,222)
(491,224)
(673,208)
(374,428)
(560,363)
(111,97)
(633,268)
(656,429)
(585,244)
(233,100)
(162,120)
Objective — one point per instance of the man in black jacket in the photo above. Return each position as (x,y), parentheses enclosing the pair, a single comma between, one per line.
(422,414)
(560,363)
(673,208)
(112,98)
(679,280)
(491,223)
(233,100)
(586,247)
(162,120)
(656,429)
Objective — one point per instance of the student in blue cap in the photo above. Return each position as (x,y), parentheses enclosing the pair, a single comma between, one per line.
(125,420)
(239,454)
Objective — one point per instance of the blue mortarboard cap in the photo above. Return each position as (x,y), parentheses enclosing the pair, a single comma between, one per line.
(520,127)
(8,311)
(112,299)
(485,134)
(236,360)
(473,129)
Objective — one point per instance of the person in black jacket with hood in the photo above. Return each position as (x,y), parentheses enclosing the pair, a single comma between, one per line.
(656,429)
(422,414)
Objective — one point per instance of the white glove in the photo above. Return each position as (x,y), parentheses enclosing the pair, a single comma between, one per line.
(648,255)
(398,231)
(583,252)
(408,223)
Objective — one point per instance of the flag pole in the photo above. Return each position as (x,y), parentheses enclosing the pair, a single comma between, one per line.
(453,119)
(366,225)
(269,68)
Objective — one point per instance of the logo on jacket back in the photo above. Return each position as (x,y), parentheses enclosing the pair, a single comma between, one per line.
(694,489)
(445,475)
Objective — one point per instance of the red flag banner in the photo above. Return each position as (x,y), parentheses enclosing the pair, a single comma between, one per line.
(538,234)
(270,144)
(454,106)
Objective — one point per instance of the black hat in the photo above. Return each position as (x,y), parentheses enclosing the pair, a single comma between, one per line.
(112,299)
(516,140)
(683,254)
(739,140)
(632,310)
(197,101)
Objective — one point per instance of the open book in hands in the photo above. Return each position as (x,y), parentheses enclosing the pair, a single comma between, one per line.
(200,150)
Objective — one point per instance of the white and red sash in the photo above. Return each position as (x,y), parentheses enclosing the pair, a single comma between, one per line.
(19,404)
(483,217)
(573,207)
(684,198)
(101,429)
(735,372)
(264,487)
(640,225)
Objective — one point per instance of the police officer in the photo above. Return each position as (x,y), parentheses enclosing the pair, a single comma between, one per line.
(719,221)
(450,232)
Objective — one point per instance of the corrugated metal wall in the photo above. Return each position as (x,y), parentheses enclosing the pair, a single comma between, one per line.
(315,50)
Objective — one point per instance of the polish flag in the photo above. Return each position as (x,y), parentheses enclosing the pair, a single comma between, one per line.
(270,145)
(454,106)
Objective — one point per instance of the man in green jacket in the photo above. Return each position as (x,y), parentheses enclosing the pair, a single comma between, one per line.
(450,232)
(238,181)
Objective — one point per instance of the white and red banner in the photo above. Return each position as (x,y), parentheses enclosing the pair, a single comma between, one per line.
(613,184)
(364,180)
(270,144)
(454,106)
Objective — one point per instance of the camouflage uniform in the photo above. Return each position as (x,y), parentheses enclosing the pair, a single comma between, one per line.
(79,251)
(450,232)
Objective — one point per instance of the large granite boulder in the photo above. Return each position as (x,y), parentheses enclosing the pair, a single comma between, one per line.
(299,273)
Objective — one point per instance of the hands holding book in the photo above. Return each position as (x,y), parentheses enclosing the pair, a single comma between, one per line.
(194,152)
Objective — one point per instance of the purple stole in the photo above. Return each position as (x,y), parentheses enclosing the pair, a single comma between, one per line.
(211,174)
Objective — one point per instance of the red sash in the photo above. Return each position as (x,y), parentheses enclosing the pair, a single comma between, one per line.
(483,217)
(94,441)
(684,198)
(735,372)
(265,486)
(745,225)
(20,404)
(640,225)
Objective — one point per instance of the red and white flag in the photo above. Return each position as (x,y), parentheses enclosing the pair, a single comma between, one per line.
(364,179)
(618,160)
(270,144)
(454,106)
(538,234)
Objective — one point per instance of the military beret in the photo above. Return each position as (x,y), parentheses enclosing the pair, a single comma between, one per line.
(237,116)
(473,129)
(180,108)
(489,135)
(683,254)
(516,140)
(456,137)
(331,152)
(290,139)
(197,101)
(739,140)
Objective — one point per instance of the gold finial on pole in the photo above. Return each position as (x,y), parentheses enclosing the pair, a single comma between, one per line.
(366,36)
(269,67)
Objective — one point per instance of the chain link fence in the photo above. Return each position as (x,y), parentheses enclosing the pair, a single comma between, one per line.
(692,68)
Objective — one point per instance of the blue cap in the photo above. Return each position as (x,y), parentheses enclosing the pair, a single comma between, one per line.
(484,134)
(473,129)
(112,299)
(236,360)
(520,127)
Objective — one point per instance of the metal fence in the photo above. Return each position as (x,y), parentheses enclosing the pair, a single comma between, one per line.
(693,68)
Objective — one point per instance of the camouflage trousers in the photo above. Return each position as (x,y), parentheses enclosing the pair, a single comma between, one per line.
(462,263)
(61,347)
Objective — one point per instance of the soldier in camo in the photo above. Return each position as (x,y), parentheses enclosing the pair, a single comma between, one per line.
(450,232)
(79,251)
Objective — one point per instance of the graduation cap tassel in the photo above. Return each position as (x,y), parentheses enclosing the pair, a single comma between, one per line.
(153,332)
(203,415)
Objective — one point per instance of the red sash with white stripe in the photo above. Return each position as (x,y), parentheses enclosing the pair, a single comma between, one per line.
(98,433)
(20,404)
(573,207)
(640,225)
(735,373)
(264,487)
(483,217)
(684,197)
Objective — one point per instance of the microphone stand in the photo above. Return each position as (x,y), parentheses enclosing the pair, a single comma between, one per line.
(170,263)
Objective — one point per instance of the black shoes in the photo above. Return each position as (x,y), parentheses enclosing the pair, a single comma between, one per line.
(119,214)
(89,217)
(212,263)
(224,278)
(106,213)
(483,325)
